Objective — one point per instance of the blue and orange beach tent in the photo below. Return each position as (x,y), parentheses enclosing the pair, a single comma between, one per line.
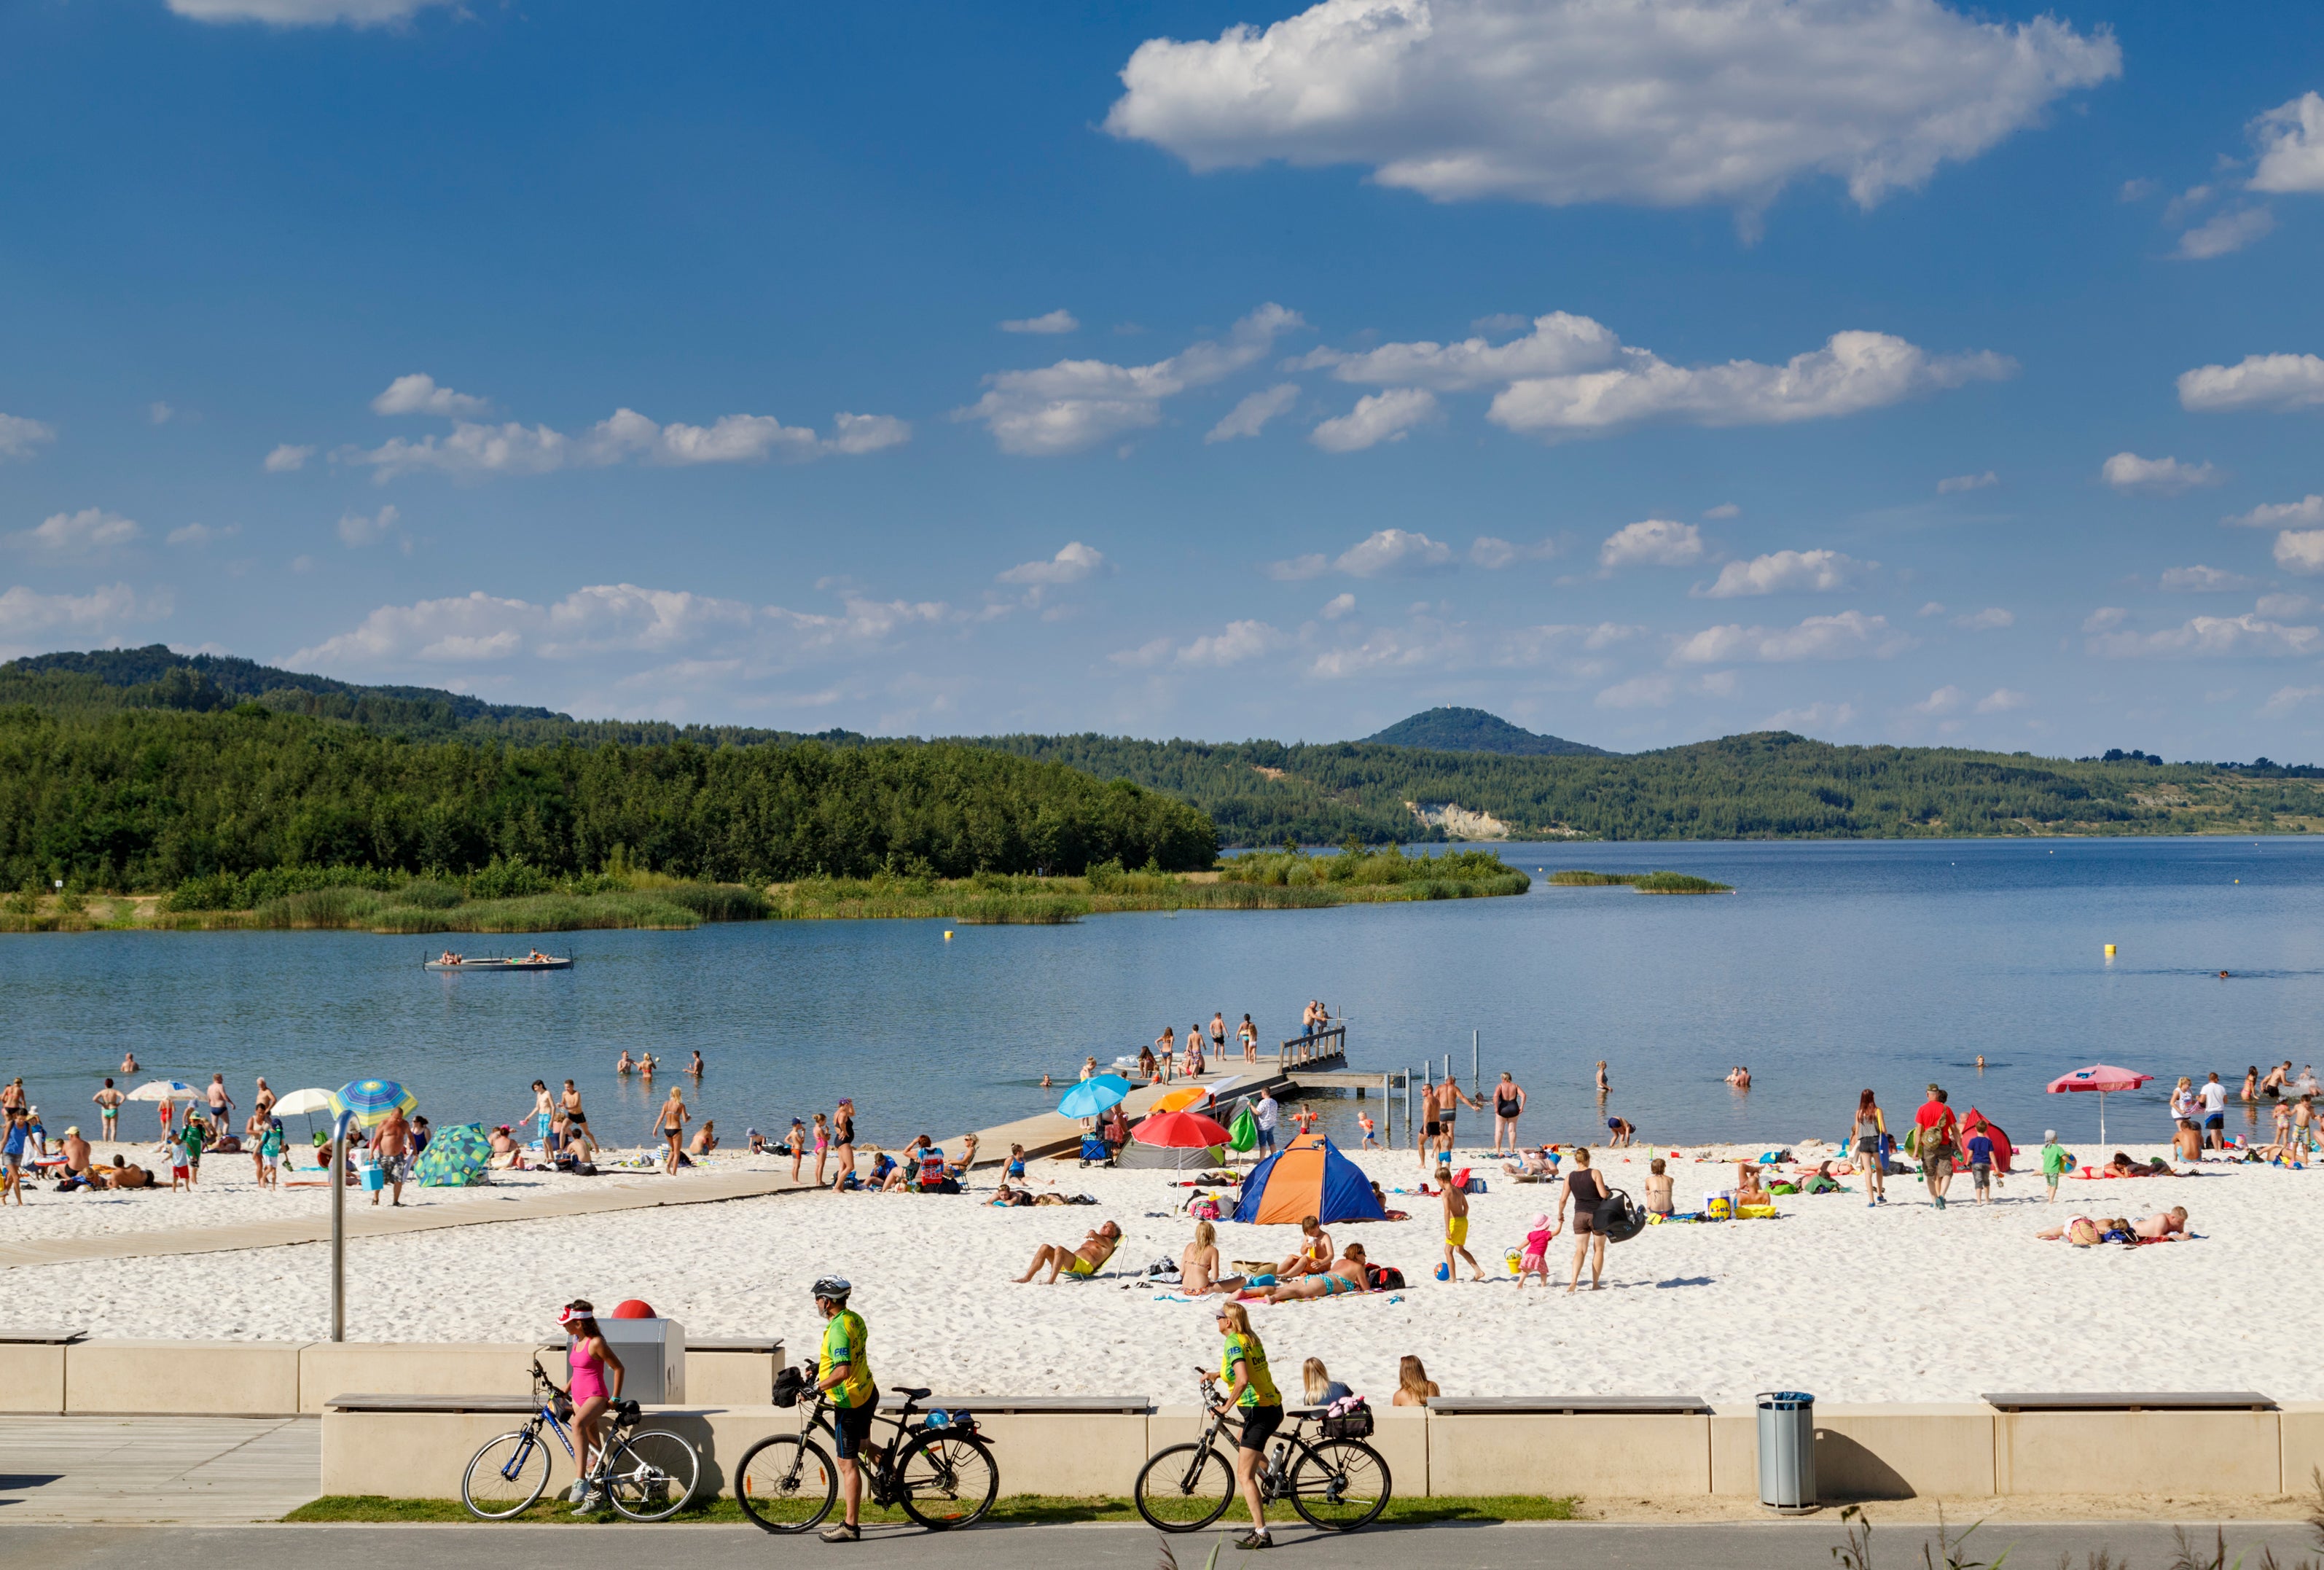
(1308,1178)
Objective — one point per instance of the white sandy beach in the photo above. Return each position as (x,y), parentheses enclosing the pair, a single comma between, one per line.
(1900,1304)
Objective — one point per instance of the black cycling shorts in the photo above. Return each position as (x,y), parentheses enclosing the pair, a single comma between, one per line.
(1259,1425)
(853,1426)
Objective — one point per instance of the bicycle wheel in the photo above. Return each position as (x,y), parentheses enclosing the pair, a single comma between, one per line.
(651,1476)
(786,1483)
(1339,1485)
(1184,1488)
(505,1476)
(946,1480)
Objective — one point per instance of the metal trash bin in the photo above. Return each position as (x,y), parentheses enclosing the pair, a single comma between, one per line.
(1788,1479)
(653,1358)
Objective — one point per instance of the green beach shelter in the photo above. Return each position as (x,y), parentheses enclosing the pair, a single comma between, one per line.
(456,1157)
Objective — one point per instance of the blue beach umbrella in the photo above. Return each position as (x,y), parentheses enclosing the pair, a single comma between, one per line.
(1093,1096)
(369,1101)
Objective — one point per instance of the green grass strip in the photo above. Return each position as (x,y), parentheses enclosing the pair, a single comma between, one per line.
(1017,1509)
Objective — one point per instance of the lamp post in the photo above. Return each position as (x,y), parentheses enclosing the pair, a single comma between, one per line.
(339,1126)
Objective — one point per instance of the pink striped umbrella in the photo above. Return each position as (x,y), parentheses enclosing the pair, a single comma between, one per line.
(2101,1077)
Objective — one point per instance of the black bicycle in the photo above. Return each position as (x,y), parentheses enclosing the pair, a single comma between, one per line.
(939,1469)
(645,1476)
(1336,1481)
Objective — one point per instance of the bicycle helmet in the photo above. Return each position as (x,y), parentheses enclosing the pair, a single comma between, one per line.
(834,1288)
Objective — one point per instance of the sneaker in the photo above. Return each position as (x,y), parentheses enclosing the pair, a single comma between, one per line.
(841,1533)
(590,1504)
(1254,1540)
(1940,1201)
(579,1490)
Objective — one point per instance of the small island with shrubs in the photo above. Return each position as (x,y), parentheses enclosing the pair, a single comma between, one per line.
(1642,882)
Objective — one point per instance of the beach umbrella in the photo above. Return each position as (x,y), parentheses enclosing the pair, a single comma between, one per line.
(1180,1100)
(1093,1096)
(162,1090)
(369,1101)
(307,1102)
(1180,1131)
(2101,1077)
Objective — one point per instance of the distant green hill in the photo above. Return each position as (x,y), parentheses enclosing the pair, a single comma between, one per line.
(1472,730)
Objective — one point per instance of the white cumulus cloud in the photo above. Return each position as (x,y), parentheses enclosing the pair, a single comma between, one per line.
(1944,700)
(1493,553)
(26,613)
(305,12)
(288,459)
(2291,141)
(2277,607)
(2308,509)
(1394,552)
(420,394)
(1853,372)
(1072,563)
(357,529)
(67,536)
(1826,717)
(1377,418)
(2105,618)
(1338,605)
(1786,572)
(1666,103)
(1651,543)
(1990,619)
(1958,483)
(1849,635)
(19,435)
(1077,404)
(2226,232)
(200,534)
(1250,417)
(2001,700)
(2245,635)
(1559,344)
(474,451)
(1234,645)
(2276,383)
(2300,551)
(2126,471)
(1059,321)
(2202,579)
(2284,699)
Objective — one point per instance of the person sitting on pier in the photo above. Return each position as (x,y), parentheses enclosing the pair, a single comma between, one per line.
(1146,1059)
(1345,1276)
(1082,1262)
(1315,1255)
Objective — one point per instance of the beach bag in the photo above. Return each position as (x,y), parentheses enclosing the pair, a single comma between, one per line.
(1383,1278)
(788,1384)
(1349,1417)
(1618,1217)
(1204,1208)
(1244,1130)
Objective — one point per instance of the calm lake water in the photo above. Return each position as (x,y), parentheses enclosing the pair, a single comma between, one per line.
(1837,965)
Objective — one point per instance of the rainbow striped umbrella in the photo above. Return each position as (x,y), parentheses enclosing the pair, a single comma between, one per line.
(369,1101)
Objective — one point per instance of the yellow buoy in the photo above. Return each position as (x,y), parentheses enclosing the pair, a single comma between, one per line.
(948,938)
(2109,947)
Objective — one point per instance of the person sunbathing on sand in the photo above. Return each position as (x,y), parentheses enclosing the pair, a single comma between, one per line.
(1315,1255)
(1747,1190)
(2122,1165)
(1533,1166)
(2170,1226)
(1345,1276)
(1198,1267)
(1084,1262)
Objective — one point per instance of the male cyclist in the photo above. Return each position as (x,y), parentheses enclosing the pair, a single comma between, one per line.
(844,1372)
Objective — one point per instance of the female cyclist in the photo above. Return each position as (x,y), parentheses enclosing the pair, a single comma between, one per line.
(587,1360)
(1243,1364)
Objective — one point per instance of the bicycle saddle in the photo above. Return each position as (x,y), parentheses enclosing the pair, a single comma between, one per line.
(910,1394)
(626,1411)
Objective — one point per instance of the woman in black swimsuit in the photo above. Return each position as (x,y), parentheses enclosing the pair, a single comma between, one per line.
(842,1140)
(674,1119)
(1585,1190)
(1508,1101)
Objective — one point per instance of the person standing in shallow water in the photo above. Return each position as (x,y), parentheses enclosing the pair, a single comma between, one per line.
(1508,1103)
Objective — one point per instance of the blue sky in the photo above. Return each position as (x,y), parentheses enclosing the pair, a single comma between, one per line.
(1640,371)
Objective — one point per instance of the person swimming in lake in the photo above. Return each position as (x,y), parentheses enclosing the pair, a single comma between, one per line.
(625,1064)
(695,1067)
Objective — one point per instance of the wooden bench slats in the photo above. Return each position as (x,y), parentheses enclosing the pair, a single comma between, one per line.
(1569,1406)
(2128,1400)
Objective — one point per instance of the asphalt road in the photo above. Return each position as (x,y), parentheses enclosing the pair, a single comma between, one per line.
(1729,1546)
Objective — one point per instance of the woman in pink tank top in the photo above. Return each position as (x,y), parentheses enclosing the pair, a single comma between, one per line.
(588,1360)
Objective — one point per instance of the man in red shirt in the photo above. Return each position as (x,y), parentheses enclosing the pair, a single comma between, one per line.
(1938,1132)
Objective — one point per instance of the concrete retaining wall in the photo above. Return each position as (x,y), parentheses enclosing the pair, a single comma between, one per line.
(223,1379)
(32,1377)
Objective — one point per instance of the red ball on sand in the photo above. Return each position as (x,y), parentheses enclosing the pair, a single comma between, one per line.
(633,1309)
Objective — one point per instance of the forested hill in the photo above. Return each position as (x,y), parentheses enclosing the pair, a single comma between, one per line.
(147,798)
(1769,785)
(1473,730)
